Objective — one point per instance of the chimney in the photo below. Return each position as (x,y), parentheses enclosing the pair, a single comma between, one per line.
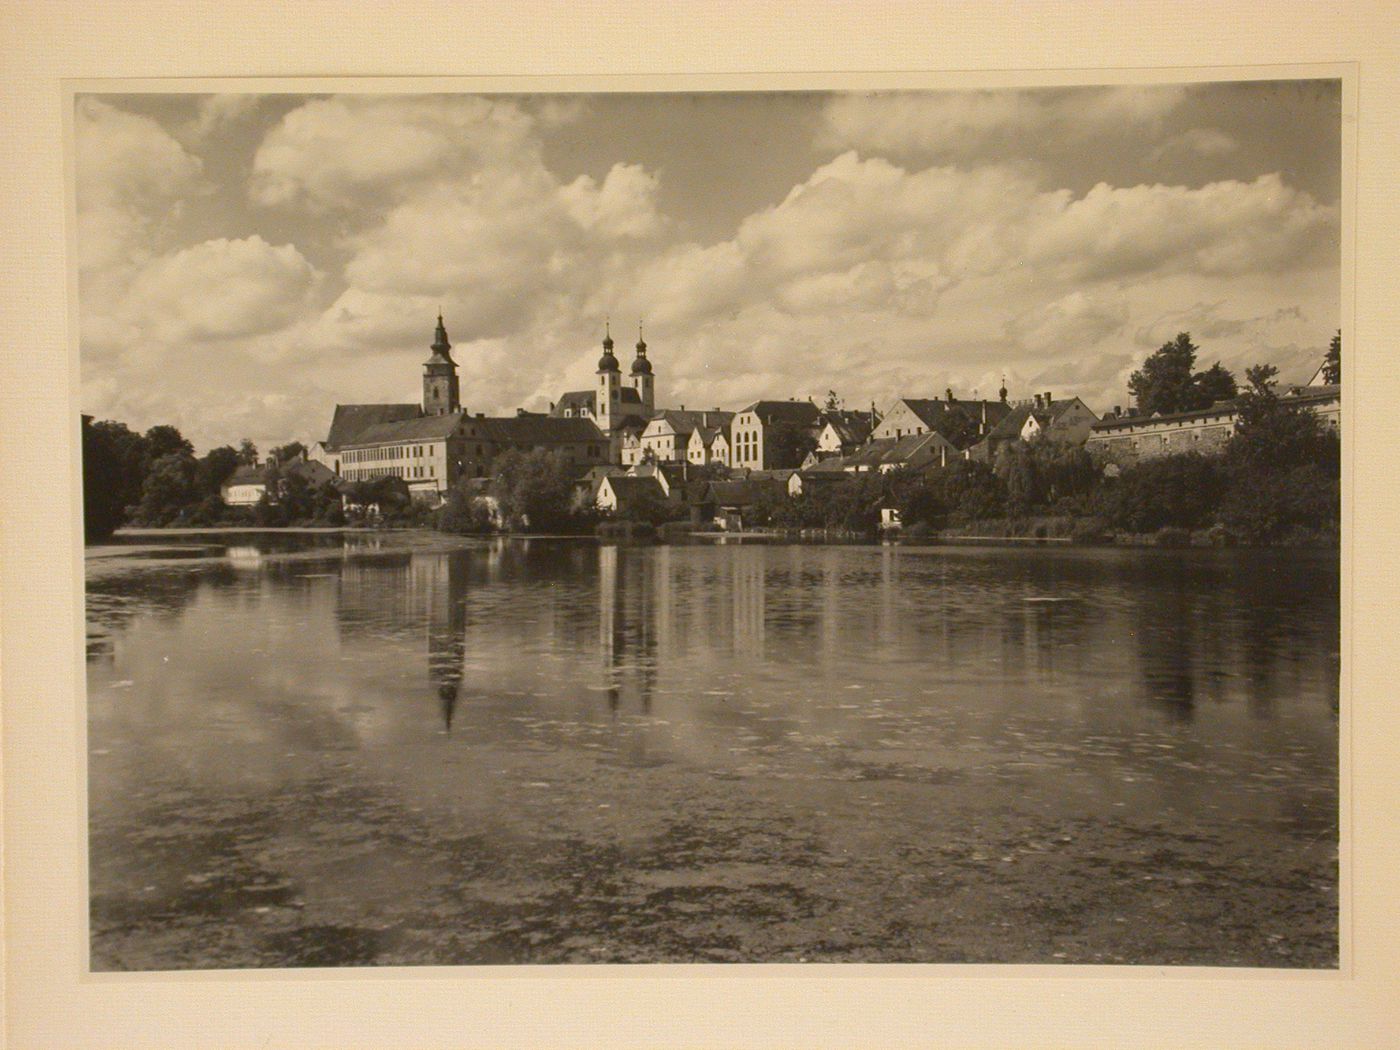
(481,415)
(1047,399)
(1037,400)
(1117,411)
(551,406)
(682,408)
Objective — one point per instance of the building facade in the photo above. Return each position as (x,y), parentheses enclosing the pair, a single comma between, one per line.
(1126,438)
(962,422)
(754,439)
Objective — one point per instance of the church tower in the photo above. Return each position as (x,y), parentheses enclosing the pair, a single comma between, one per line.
(609,389)
(642,379)
(441,393)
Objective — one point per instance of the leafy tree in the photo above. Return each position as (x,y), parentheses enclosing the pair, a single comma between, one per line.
(164,439)
(1332,363)
(832,403)
(170,487)
(297,499)
(789,442)
(114,468)
(247,452)
(1166,383)
(1181,490)
(1018,471)
(647,506)
(962,492)
(283,453)
(1283,465)
(464,513)
(1273,436)
(214,468)
(854,503)
(534,489)
(1216,383)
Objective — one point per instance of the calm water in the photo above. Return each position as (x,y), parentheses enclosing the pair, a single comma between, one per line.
(331,750)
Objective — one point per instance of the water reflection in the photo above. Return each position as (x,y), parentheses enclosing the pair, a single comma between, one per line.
(717,657)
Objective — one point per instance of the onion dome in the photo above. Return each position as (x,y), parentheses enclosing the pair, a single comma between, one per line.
(608,363)
(640,365)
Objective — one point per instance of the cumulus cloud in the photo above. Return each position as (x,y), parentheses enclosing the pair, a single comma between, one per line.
(878,276)
(215,113)
(221,289)
(966,123)
(865,232)
(1223,228)
(129,174)
(349,150)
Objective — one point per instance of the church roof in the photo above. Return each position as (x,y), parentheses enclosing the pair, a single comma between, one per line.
(577,400)
(349,421)
(423,428)
(538,430)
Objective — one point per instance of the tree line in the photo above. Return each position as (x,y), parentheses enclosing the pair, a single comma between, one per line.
(155,480)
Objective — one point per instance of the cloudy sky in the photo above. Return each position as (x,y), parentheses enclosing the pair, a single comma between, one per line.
(247,261)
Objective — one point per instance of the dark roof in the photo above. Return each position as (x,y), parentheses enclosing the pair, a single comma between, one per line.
(626,487)
(909,450)
(1219,408)
(574,399)
(851,428)
(424,428)
(684,421)
(1306,394)
(538,430)
(246,475)
(1011,424)
(596,474)
(803,413)
(350,420)
(934,412)
(316,474)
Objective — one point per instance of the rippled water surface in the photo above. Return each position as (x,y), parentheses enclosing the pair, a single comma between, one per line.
(404,749)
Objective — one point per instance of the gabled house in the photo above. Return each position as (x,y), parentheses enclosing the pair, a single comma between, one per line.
(911,452)
(701,447)
(963,423)
(618,492)
(668,433)
(752,441)
(1068,420)
(670,476)
(245,486)
(841,433)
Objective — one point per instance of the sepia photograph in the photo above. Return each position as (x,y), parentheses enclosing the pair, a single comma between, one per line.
(823,526)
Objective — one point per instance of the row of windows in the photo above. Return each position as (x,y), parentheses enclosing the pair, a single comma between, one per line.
(387,452)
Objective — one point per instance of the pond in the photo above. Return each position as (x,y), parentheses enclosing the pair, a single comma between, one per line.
(407,749)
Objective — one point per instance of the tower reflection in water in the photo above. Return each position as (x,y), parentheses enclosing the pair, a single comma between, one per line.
(575,623)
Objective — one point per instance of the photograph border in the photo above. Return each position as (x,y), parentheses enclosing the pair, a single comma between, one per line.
(880,985)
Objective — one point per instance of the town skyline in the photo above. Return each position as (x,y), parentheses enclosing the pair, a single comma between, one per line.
(776,245)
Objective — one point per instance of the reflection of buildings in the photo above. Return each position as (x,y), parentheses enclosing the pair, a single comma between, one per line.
(629,616)
(1090,634)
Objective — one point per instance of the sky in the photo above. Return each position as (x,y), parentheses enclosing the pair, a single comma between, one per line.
(248,261)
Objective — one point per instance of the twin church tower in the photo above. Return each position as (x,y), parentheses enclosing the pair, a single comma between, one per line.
(613,402)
